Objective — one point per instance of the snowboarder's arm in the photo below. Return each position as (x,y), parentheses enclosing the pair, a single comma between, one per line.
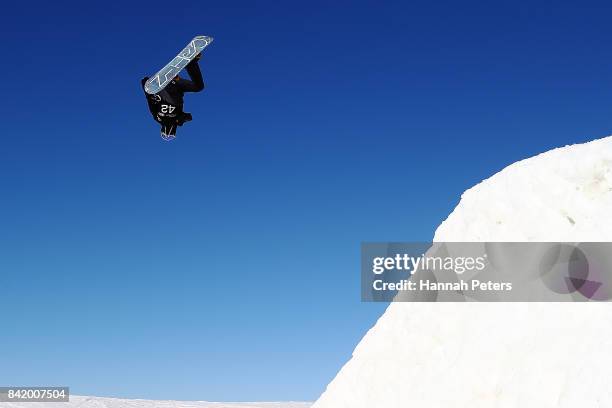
(196,84)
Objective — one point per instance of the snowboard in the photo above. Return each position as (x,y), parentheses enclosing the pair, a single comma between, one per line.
(163,77)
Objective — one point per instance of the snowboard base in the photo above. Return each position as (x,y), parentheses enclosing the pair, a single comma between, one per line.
(163,77)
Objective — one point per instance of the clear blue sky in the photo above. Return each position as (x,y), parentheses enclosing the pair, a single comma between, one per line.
(224,265)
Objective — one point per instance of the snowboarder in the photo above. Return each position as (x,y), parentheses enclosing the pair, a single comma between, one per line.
(166,106)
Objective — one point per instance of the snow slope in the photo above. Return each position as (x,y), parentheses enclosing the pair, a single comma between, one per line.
(98,402)
(504,355)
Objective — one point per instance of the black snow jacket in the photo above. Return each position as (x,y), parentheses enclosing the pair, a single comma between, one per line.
(167,106)
(173,92)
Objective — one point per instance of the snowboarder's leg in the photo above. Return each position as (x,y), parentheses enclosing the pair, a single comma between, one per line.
(196,84)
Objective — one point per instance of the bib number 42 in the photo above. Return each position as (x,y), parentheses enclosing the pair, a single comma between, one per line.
(167,108)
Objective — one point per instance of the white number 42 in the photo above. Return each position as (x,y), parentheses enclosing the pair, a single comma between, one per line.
(167,108)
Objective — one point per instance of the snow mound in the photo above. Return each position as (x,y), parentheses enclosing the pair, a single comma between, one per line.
(98,402)
(506,355)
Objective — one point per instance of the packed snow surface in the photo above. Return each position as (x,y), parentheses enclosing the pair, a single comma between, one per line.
(502,355)
(98,402)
